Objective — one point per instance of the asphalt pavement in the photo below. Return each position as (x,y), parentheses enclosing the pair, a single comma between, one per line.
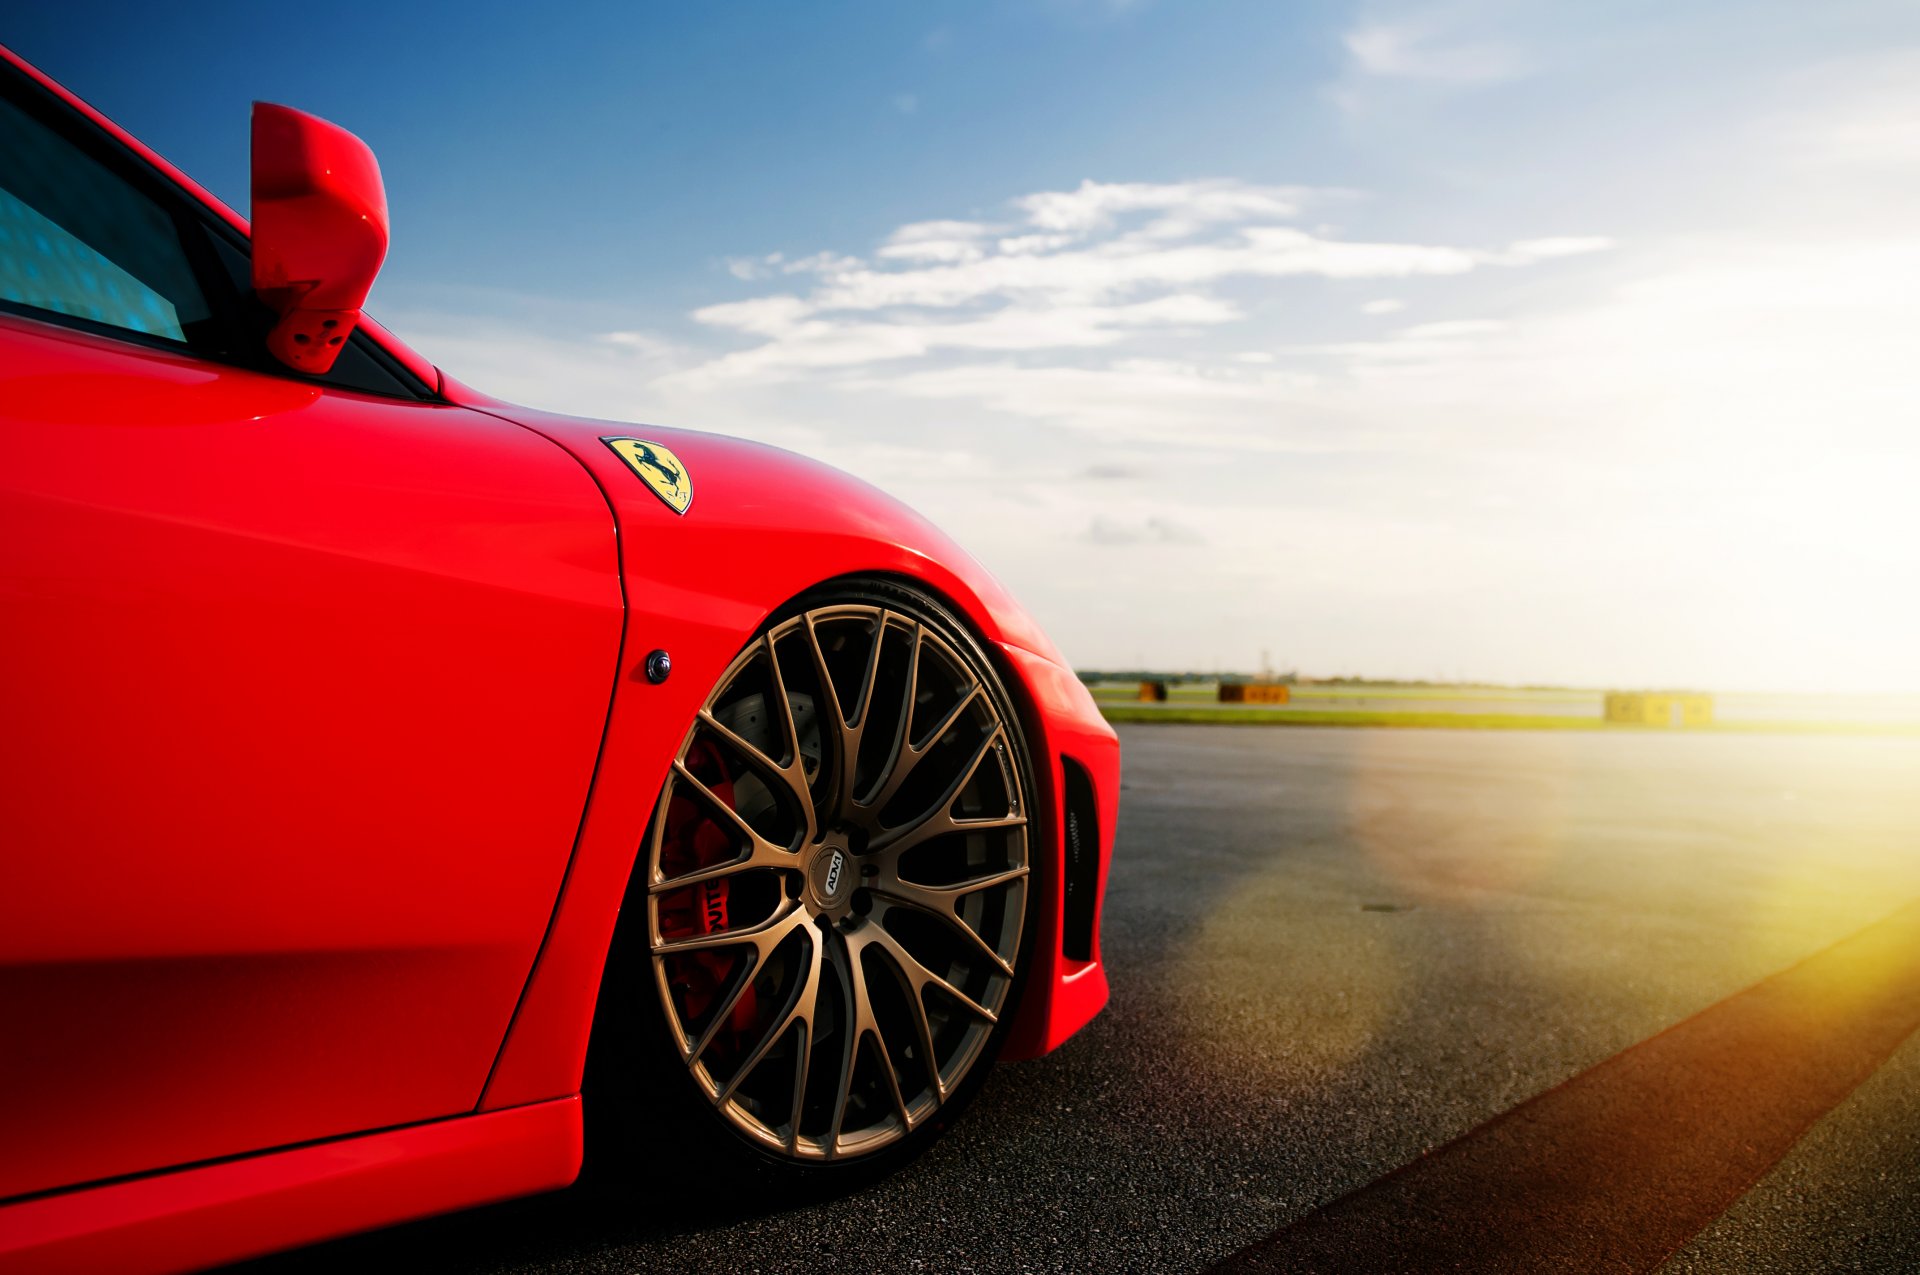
(1335,951)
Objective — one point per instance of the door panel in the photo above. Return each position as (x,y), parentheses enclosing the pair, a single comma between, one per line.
(300,696)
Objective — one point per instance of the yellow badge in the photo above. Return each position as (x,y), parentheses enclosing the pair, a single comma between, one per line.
(658,468)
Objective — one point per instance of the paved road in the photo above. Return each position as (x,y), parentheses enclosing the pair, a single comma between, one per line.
(1335,950)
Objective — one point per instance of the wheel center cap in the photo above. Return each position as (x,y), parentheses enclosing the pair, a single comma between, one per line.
(831,875)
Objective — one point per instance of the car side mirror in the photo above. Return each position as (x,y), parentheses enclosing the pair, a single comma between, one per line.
(319,232)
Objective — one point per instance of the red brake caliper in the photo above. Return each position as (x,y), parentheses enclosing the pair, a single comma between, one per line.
(694,840)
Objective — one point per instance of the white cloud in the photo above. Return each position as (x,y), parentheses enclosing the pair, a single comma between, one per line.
(763,316)
(748,269)
(820,263)
(1188,205)
(1014,245)
(1384,305)
(802,343)
(924,231)
(1127,264)
(1129,401)
(1072,270)
(941,241)
(1429,47)
(645,345)
(1528,250)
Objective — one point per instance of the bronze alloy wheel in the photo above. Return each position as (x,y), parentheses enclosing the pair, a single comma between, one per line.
(837,879)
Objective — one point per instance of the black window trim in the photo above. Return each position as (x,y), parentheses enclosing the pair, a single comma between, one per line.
(195,222)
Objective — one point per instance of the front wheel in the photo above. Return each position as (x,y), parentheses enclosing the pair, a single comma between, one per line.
(835,891)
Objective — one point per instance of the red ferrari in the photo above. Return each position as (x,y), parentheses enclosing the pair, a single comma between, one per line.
(405,791)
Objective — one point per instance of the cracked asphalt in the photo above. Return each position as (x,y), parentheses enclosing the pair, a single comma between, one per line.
(1332,951)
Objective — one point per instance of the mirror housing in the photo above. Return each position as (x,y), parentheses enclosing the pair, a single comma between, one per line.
(319,232)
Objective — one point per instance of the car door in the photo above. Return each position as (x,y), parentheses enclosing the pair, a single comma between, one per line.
(301,694)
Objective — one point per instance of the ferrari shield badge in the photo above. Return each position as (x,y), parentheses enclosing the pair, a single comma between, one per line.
(659,469)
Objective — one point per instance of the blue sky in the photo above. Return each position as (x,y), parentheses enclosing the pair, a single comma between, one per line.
(1526,342)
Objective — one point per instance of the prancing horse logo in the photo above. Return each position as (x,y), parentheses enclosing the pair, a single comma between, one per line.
(664,473)
(832,883)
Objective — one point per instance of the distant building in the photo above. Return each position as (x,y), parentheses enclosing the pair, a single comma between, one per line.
(1659,708)
(1255,693)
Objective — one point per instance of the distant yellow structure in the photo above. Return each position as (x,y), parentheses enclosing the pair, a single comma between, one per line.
(1660,708)
(1153,692)
(1254,693)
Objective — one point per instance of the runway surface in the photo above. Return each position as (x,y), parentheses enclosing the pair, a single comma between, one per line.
(1395,987)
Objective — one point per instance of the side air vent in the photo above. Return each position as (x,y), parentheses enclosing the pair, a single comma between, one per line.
(1083,864)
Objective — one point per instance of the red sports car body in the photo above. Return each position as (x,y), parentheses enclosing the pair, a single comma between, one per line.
(332,742)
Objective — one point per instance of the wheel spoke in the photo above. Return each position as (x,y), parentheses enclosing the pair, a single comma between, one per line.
(893,1080)
(887,784)
(851,1032)
(944,902)
(932,737)
(761,853)
(918,977)
(869,1033)
(791,775)
(939,824)
(915,978)
(792,731)
(803,1052)
(922,1026)
(764,936)
(910,756)
(799,1008)
(943,804)
(846,736)
(854,734)
(742,981)
(863,706)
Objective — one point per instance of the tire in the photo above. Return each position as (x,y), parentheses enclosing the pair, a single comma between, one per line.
(823,941)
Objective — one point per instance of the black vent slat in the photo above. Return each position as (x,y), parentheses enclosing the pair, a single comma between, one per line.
(1083,864)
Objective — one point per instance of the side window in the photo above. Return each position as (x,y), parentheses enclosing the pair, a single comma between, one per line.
(82,242)
(76,239)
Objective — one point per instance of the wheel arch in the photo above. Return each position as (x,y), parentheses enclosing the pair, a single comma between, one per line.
(544,1052)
